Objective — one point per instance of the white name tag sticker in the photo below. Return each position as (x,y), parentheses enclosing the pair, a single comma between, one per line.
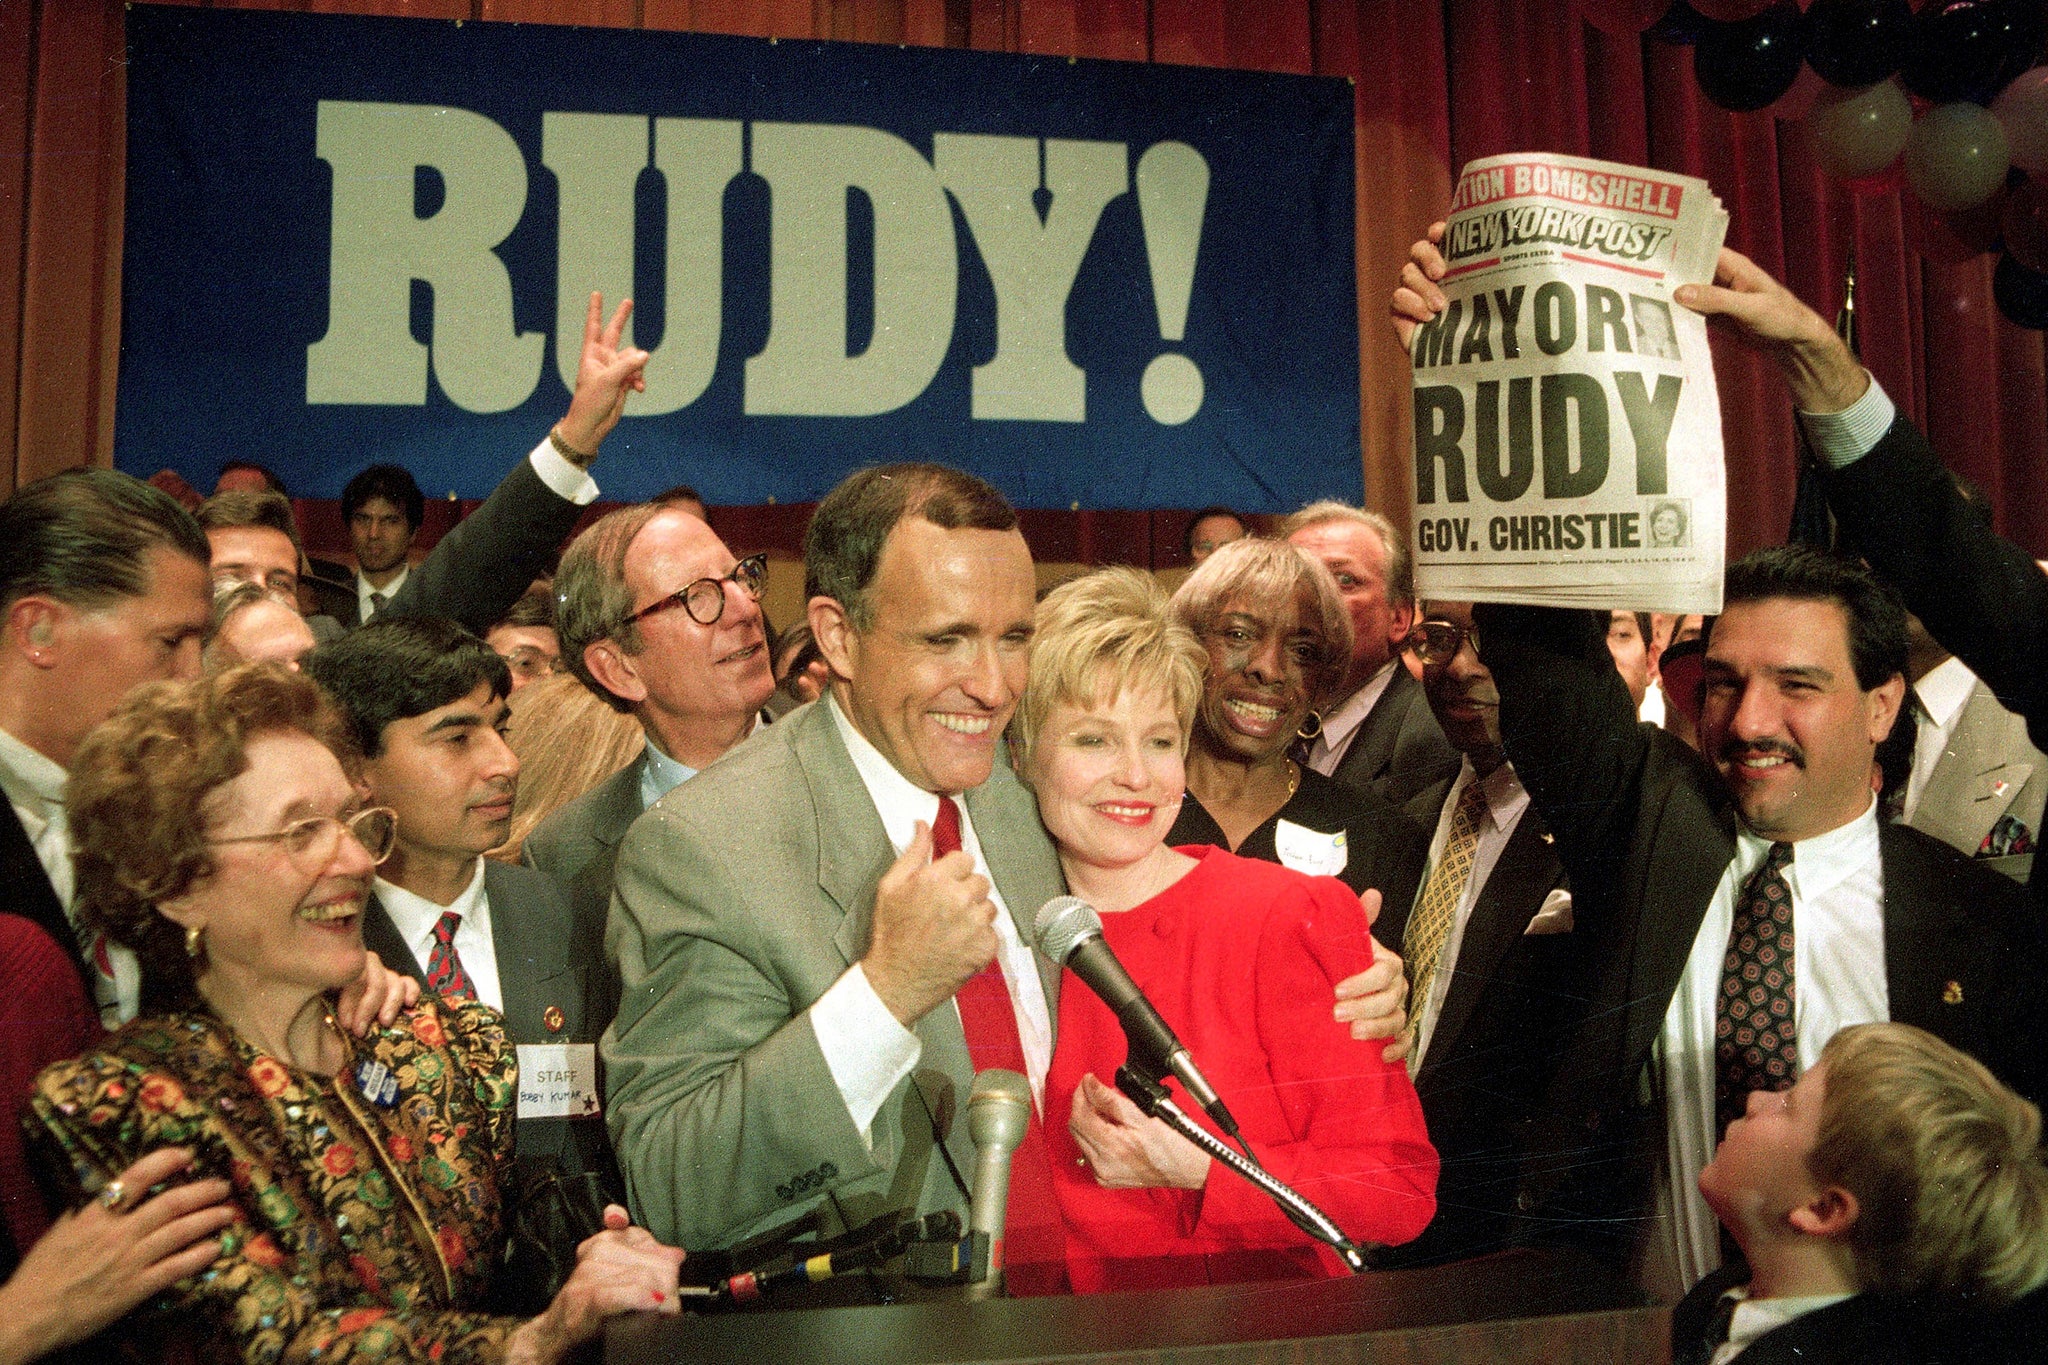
(557,1080)
(1311,851)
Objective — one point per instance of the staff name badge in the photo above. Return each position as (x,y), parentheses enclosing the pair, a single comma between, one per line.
(557,1080)
(1310,850)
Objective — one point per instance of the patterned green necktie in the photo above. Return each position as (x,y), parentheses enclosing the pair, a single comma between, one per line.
(1423,941)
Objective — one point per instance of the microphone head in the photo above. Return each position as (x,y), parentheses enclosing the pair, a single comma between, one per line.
(998,1109)
(1062,923)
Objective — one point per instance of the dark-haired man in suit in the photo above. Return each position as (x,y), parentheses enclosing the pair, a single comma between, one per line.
(1482,941)
(426,700)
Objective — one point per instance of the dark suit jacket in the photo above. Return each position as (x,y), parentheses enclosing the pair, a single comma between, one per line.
(25,890)
(546,958)
(1493,1043)
(1980,595)
(1645,830)
(485,562)
(1398,749)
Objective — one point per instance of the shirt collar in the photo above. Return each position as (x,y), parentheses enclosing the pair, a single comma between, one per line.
(660,775)
(30,778)
(900,802)
(1506,797)
(390,590)
(1823,862)
(1351,713)
(1944,690)
(415,916)
(1754,1317)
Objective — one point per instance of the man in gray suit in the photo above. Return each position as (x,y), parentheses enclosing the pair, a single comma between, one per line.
(1977,782)
(658,619)
(426,700)
(788,942)
(1380,735)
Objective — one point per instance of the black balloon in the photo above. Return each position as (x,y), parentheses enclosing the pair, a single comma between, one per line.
(1749,64)
(2022,295)
(1681,25)
(1971,49)
(1857,42)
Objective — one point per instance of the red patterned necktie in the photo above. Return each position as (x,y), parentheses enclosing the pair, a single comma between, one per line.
(445,976)
(1034,1245)
(1756,1032)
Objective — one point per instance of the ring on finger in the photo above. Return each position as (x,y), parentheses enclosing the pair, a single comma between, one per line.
(112,1195)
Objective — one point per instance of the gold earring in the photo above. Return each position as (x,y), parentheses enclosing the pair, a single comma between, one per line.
(195,941)
(1311,726)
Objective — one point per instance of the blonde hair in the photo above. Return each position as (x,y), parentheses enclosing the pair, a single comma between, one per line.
(1100,636)
(568,740)
(1400,568)
(1945,1164)
(1268,576)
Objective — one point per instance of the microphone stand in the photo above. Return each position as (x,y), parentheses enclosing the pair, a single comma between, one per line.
(1148,1094)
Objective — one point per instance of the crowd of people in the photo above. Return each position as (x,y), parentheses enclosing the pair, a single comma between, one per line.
(408,960)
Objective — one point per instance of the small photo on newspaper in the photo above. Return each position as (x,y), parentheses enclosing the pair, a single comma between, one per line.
(1567,426)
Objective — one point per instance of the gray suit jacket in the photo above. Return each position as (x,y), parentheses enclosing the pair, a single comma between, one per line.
(1398,749)
(578,845)
(1990,770)
(741,897)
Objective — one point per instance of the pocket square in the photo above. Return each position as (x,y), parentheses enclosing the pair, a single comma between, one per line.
(1556,915)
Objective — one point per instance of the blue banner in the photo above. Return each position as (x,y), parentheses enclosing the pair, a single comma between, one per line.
(1096,284)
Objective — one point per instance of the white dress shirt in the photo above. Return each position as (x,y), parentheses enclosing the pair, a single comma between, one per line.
(1505,801)
(1340,727)
(366,610)
(34,783)
(866,1049)
(1838,975)
(1938,704)
(1844,437)
(415,918)
(563,479)
(1754,1317)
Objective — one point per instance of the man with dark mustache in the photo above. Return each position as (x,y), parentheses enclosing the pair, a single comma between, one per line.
(426,700)
(1484,940)
(1734,911)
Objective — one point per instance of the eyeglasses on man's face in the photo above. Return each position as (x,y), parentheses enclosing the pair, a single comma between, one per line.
(311,843)
(1437,642)
(704,599)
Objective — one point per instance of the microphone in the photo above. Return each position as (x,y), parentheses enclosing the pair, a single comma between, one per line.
(1070,933)
(998,1111)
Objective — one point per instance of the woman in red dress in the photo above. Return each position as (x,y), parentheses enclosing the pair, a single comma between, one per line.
(1239,956)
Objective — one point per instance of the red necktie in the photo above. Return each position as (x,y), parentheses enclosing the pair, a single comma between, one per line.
(445,975)
(1034,1250)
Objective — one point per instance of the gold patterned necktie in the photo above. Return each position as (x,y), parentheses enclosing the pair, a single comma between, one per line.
(1756,1024)
(1423,941)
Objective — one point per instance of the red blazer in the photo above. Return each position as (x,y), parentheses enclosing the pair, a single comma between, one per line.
(1241,958)
(44,1018)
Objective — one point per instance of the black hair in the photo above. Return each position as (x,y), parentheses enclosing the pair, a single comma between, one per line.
(82,537)
(1187,535)
(1877,619)
(393,483)
(402,667)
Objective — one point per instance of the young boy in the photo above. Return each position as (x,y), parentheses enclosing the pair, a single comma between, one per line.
(1890,1206)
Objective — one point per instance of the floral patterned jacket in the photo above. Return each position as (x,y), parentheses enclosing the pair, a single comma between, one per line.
(369,1201)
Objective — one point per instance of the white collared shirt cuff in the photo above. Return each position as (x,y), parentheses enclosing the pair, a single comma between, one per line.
(1842,438)
(866,1049)
(565,480)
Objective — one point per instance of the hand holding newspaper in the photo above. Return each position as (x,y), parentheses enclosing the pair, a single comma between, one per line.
(1567,425)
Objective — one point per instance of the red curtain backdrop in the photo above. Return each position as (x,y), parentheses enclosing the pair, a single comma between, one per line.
(1436,85)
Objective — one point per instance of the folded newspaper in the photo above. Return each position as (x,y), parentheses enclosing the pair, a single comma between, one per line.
(1567,426)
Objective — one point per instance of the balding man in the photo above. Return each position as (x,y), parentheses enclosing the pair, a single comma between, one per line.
(1378,734)
(657,618)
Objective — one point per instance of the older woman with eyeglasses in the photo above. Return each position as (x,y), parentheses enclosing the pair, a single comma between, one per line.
(220,835)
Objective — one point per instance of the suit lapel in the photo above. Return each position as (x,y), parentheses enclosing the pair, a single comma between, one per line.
(30,894)
(381,937)
(531,956)
(853,847)
(1685,868)
(1020,858)
(1976,780)
(1514,891)
(616,804)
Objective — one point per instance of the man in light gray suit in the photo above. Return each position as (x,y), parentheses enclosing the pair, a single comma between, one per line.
(1977,783)
(788,944)
(658,619)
